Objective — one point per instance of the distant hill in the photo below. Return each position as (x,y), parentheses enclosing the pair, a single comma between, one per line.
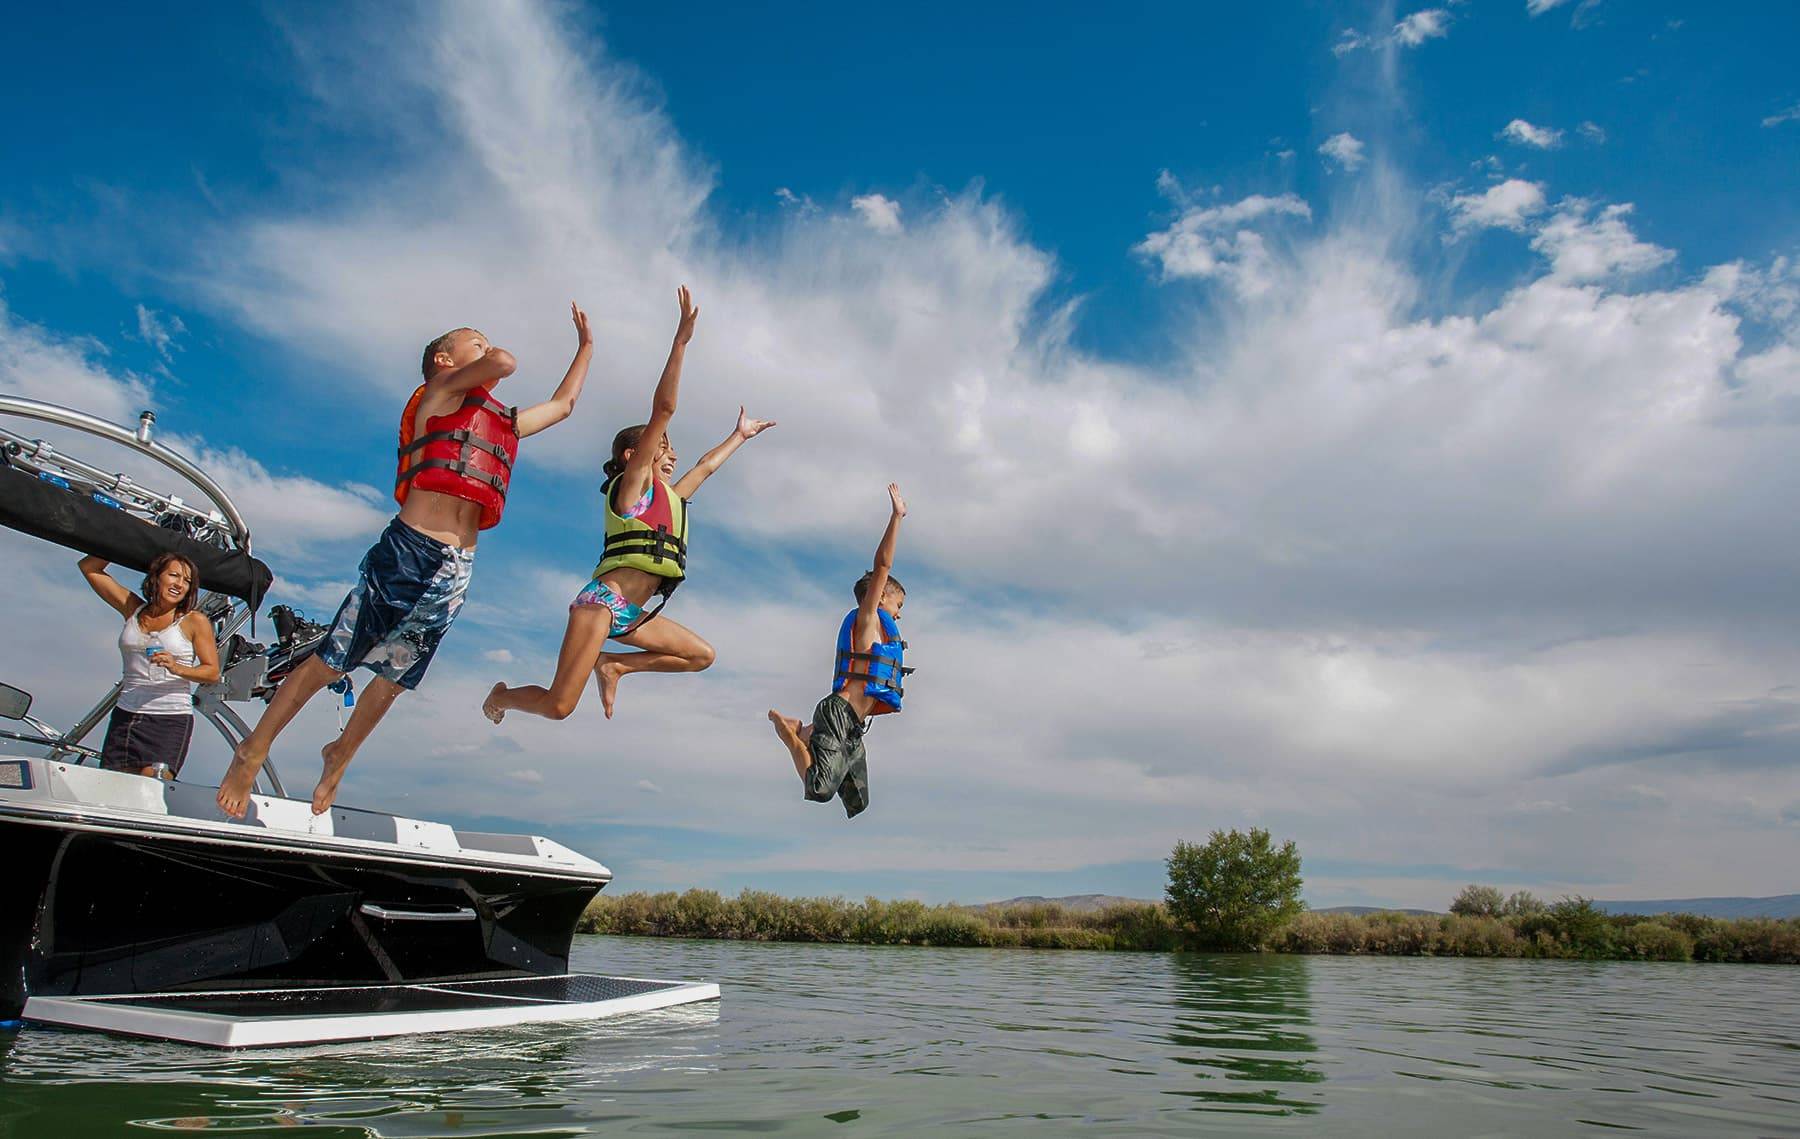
(1359,911)
(1077,903)
(1780,906)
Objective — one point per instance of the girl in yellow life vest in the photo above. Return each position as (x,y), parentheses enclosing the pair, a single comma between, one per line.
(645,556)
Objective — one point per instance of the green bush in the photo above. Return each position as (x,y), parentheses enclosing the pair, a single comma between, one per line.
(1653,941)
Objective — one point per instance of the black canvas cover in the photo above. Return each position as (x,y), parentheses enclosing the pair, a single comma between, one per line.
(73,519)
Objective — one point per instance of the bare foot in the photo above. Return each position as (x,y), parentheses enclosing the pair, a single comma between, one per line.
(239,781)
(789,731)
(608,675)
(336,761)
(487,706)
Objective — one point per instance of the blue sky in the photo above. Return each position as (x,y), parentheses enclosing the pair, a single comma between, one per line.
(1433,366)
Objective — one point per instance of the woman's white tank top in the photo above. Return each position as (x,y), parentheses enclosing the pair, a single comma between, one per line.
(151,689)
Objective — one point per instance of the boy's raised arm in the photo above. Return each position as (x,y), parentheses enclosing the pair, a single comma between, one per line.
(494,365)
(561,403)
(746,430)
(884,557)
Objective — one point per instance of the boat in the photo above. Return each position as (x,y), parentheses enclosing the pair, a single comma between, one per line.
(133,904)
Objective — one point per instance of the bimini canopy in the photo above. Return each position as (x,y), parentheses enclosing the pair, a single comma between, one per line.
(78,520)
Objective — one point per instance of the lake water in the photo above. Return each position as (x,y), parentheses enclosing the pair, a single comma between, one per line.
(848,1040)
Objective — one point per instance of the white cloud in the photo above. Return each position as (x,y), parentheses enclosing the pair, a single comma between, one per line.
(1349,40)
(1428,24)
(526,775)
(159,331)
(881,214)
(1593,132)
(1508,205)
(647,787)
(1539,7)
(1790,115)
(499,656)
(1524,134)
(1218,241)
(1343,148)
(1588,245)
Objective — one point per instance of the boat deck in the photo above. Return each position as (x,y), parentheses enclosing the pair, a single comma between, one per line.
(250,1018)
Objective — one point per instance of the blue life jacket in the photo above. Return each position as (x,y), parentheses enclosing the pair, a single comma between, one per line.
(881,667)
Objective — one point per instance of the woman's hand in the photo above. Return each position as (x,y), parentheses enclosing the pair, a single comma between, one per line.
(690,312)
(166,660)
(584,337)
(898,502)
(748,428)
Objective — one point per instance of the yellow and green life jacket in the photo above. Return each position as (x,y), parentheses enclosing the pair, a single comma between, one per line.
(654,542)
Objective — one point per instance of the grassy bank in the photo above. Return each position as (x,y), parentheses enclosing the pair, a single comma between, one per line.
(1573,928)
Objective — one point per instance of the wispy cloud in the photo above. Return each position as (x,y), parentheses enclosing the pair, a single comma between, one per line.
(879,213)
(1427,24)
(1344,149)
(1508,205)
(159,331)
(1790,115)
(1525,134)
(1220,241)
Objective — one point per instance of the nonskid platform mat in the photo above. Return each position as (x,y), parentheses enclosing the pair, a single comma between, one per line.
(263,1017)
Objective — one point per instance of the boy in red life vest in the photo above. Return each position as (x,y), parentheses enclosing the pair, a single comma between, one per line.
(867,680)
(457,445)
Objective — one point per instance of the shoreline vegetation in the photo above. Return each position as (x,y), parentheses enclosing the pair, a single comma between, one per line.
(1571,929)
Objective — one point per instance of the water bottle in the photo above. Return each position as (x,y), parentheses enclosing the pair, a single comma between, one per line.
(161,771)
(346,686)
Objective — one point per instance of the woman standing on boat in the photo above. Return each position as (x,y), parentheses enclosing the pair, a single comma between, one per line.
(166,644)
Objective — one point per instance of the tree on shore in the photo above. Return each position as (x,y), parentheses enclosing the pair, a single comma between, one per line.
(1479,902)
(1235,891)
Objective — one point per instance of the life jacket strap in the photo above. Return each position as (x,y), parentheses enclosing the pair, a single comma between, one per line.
(659,544)
(467,440)
(459,466)
(904,670)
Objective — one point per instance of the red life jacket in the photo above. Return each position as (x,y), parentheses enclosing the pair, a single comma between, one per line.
(467,454)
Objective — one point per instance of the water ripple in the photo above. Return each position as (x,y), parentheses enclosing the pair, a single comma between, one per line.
(817,1039)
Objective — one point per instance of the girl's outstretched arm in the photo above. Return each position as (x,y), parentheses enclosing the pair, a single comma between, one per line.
(634,480)
(746,430)
(558,407)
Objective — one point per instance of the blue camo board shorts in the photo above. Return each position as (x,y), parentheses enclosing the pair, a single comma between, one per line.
(624,613)
(410,589)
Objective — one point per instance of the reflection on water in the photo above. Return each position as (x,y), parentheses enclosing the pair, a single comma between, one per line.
(821,1039)
(1243,1019)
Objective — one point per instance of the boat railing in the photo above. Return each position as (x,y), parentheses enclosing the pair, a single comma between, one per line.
(247,667)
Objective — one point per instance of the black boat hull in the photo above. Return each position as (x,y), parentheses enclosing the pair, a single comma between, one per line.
(86,911)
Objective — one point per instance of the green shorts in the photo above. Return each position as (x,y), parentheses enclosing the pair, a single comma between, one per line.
(839,765)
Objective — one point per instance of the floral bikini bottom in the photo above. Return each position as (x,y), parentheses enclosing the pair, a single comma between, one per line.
(624,613)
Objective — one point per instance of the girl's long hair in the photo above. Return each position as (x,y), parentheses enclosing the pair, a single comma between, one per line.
(162,562)
(625,440)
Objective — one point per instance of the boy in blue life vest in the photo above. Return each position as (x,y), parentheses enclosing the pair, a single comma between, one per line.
(866,680)
(454,463)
